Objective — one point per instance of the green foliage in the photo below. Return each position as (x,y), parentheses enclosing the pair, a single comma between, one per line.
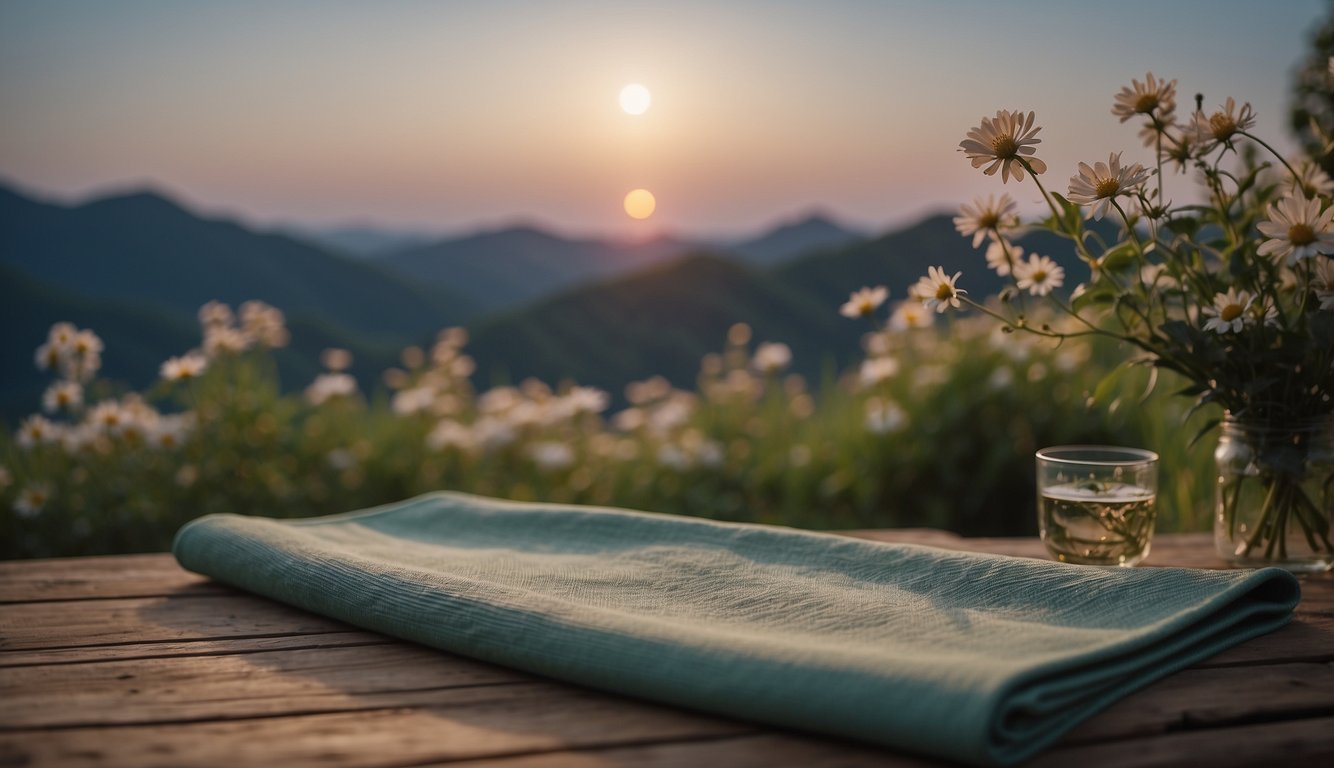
(943,438)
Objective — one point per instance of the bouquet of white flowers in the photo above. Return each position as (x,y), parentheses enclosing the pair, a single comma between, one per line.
(1234,292)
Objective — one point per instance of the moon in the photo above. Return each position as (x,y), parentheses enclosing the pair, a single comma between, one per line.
(639,204)
(635,99)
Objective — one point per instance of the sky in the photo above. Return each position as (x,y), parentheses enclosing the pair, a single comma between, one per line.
(451,116)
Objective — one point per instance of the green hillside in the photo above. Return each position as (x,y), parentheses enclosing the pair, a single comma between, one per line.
(505,268)
(144,249)
(660,321)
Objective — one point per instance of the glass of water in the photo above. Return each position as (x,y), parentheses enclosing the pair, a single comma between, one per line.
(1096,503)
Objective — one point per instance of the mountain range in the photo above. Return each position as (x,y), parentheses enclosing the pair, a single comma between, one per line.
(596,311)
(147,250)
(503,268)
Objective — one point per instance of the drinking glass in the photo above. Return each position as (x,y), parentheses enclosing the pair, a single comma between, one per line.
(1096,503)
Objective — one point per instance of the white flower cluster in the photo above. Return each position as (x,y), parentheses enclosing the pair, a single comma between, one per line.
(258,325)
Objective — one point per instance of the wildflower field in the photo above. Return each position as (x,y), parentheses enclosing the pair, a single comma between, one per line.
(936,427)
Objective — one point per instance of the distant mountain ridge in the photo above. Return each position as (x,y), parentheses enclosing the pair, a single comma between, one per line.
(503,268)
(798,237)
(506,267)
(146,249)
(664,319)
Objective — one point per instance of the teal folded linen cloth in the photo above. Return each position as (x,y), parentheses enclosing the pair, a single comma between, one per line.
(979,658)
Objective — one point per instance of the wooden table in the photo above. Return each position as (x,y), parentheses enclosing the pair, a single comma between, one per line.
(132,661)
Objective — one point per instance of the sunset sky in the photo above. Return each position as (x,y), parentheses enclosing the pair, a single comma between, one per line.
(448,116)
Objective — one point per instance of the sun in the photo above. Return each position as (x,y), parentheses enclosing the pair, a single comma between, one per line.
(635,99)
(639,204)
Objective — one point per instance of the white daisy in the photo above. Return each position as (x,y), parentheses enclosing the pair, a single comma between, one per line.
(330,385)
(221,339)
(37,430)
(909,314)
(62,335)
(214,314)
(1311,180)
(1221,126)
(864,302)
(170,432)
(987,216)
(264,324)
(1323,283)
(63,396)
(1297,229)
(450,434)
(48,356)
(876,370)
(1263,313)
(1004,142)
(1097,185)
(32,500)
(336,359)
(1153,97)
(1228,313)
(1002,256)
(937,290)
(772,357)
(1039,275)
(412,400)
(550,455)
(189,366)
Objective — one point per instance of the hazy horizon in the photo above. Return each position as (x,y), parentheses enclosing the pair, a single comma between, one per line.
(458,118)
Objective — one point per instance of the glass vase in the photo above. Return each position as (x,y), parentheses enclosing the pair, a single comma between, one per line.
(1275,497)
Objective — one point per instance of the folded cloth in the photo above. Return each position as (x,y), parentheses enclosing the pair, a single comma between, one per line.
(979,658)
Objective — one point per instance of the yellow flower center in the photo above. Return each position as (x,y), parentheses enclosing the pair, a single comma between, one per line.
(1108,188)
(1301,234)
(1222,126)
(944,292)
(1230,312)
(988,220)
(1147,103)
(1004,147)
(1039,275)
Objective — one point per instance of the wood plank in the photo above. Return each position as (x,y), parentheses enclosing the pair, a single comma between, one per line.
(1215,698)
(153,619)
(81,578)
(1307,742)
(162,650)
(1310,638)
(476,724)
(758,751)
(247,685)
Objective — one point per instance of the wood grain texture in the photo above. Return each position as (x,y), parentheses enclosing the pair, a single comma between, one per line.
(88,578)
(132,661)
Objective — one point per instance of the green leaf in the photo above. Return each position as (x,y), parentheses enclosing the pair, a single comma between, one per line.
(1184,225)
(1109,385)
(1206,429)
(1118,258)
(1098,293)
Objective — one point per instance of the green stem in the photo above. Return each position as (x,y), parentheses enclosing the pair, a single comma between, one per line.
(1266,510)
(1273,152)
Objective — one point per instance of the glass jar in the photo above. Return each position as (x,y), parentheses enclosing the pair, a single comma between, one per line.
(1275,498)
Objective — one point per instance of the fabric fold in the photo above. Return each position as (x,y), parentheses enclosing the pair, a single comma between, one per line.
(979,658)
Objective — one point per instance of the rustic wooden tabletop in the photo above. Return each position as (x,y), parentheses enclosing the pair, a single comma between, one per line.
(132,661)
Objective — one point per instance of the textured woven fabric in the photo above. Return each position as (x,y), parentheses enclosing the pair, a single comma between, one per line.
(984,659)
